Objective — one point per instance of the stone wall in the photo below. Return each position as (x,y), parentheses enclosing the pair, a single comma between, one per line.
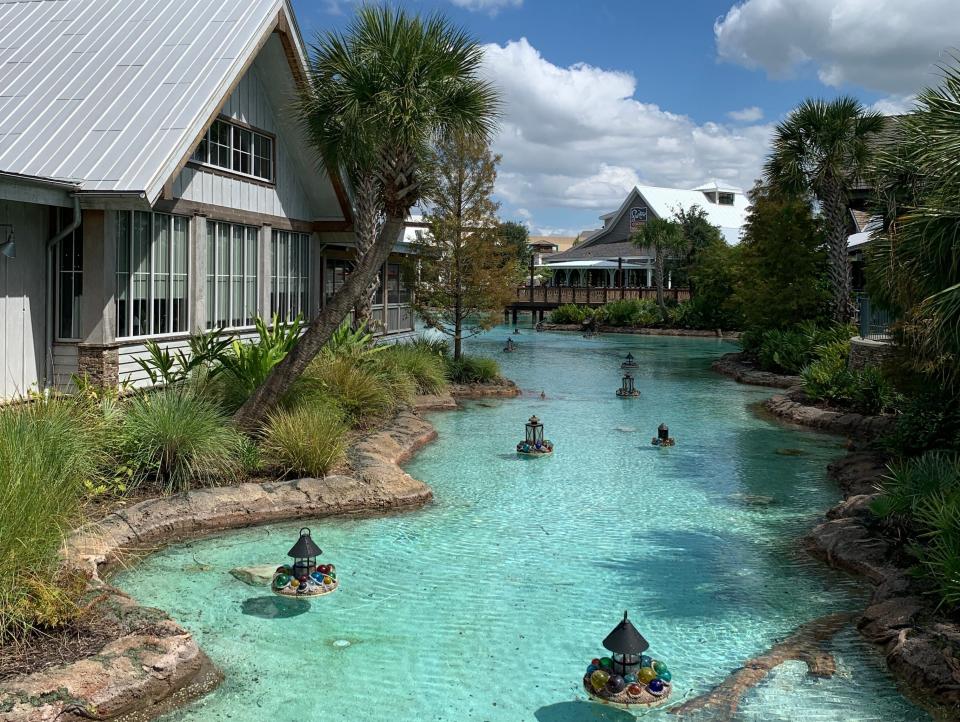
(99,365)
(865,353)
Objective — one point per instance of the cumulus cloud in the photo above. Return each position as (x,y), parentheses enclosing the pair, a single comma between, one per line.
(577,138)
(492,6)
(887,45)
(746,115)
(894,104)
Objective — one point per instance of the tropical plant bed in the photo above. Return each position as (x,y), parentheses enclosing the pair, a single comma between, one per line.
(645,330)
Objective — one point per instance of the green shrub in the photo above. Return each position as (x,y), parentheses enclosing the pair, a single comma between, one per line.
(927,420)
(245,365)
(355,343)
(49,449)
(632,312)
(569,313)
(309,440)
(435,346)
(789,350)
(910,481)
(422,365)
(828,376)
(360,392)
(175,437)
(473,369)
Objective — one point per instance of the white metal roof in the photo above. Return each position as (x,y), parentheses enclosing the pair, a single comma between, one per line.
(666,201)
(713,185)
(110,94)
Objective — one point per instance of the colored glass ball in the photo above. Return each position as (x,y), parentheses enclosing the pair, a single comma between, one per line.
(615,684)
(646,675)
(656,686)
(595,662)
(281,580)
(646,661)
(659,666)
(598,680)
(294,583)
(630,678)
(591,668)
(665,675)
(281,570)
(634,690)
(317,577)
(606,663)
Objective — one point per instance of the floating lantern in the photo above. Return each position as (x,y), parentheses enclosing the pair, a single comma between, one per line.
(304,578)
(629,362)
(533,443)
(629,678)
(627,390)
(663,437)
(510,346)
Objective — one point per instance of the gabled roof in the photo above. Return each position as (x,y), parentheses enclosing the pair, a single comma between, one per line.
(714,185)
(113,94)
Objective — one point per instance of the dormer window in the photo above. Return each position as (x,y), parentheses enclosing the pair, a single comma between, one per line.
(237,149)
(725,199)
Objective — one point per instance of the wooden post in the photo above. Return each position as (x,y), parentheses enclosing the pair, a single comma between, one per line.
(531,278)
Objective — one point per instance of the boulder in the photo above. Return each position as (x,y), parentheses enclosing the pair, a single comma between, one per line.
(259,576)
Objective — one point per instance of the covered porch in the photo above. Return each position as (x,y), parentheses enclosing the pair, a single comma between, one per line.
(601,273)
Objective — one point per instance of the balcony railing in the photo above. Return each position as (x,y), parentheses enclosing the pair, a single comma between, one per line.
(591,295)
(874,323)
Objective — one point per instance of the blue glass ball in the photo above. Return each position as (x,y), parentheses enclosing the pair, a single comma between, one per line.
(646,661)
(591,668)
(656,686)
(665,675)
(630,678)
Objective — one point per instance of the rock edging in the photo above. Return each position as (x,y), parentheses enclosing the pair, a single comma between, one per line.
(742,370)
(845,423)
(922,647)
(643,331)
(151,672)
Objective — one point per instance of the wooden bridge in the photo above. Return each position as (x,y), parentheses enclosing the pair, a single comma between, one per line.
(540,299)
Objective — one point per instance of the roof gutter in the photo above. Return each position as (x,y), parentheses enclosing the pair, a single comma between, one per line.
(51,280)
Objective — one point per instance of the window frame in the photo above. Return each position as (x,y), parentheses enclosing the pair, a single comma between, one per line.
(124,326)
(213,275)
(236,128)
(75,238)
(304,246)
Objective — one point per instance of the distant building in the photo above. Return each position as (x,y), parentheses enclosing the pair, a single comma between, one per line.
(601,256)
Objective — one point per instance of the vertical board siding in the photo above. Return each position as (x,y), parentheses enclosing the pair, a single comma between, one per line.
(132,373)
(65,366)
(250,104)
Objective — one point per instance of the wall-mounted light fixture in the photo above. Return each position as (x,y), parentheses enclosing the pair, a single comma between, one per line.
(8,247)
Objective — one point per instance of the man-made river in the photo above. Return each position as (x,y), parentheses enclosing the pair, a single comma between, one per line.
(489,603)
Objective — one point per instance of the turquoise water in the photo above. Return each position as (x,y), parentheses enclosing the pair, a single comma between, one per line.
(489,603)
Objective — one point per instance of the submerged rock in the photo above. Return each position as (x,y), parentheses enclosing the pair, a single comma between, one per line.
(260,576)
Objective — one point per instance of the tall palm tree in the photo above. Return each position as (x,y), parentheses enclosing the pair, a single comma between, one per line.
(665,238)
(822,149)
(378,96)
(915,265)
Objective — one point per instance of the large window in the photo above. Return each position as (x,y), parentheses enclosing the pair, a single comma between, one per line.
(336,275)
(151,274)
(238,149)
(231,275)
(397,291)
(290,275)
(69,286)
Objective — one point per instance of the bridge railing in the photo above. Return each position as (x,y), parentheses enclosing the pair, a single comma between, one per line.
(590,295)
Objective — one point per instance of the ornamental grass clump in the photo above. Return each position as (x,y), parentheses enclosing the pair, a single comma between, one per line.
(306,441)
(175,438)
(423,366)
(362,394)
(49,449)
(472,369)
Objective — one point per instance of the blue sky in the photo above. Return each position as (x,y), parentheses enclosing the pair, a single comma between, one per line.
(602,95)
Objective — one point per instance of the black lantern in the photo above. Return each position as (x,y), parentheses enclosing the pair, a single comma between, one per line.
(629,362)
(534,435)
(627,388)
(663,432)
(626,644)
(304,553)
(510,345)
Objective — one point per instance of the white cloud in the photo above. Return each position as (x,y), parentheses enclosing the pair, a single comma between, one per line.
(887,45)
(895,104)
(577,138)
(746,115)
(491,6)
(551,231)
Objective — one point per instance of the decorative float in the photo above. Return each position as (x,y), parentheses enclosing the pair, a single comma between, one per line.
(627,390)
(510,346)
(304,578)
(533,443)
(663,437)
(628,678)
(629,362)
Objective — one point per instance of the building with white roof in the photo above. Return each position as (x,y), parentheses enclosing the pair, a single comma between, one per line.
(596,259)
(154,182)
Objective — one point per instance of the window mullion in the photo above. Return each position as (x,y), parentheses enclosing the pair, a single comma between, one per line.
(128,321)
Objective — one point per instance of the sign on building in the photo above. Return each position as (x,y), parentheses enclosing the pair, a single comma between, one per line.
(638,216)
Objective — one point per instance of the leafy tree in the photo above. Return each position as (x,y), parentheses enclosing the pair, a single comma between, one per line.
(914,267)
(714,275)
(782,264)
(377,97)
(515,238)
(821,150)
(700,235)
(464,277)
(665,239)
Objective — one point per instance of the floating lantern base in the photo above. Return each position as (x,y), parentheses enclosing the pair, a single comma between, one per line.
(628,394)
(625,700)
(317,584)
(527,450)
(647,684)
(663,442)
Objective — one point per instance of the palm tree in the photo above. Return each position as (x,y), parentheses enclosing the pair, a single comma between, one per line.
(378,97)
(665,238)
(822,149)
(915,266)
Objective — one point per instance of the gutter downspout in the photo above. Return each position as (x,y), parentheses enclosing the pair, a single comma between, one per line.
(51,280)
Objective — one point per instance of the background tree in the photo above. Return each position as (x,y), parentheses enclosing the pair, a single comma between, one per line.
(665,238)
(781,275)
(700,235)
(515,239)
(821,150)
(464,275)
(378,96)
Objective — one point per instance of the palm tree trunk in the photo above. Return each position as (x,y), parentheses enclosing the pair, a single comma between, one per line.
(658,278)
(285,373)
(835,212)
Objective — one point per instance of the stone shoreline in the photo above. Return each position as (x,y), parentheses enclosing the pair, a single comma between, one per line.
(740,369)
(144,674)
(922,648)
(698,333)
